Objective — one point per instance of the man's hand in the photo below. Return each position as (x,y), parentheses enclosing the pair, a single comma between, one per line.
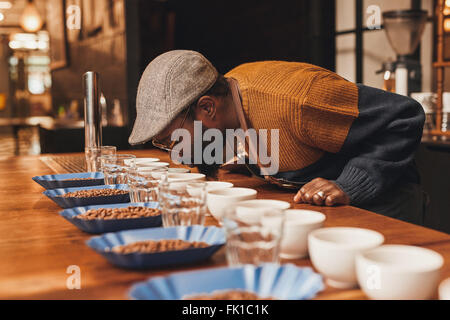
(322,192)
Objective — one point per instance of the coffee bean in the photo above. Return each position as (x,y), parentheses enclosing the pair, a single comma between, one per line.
(151,246)
(94,193)
(227,295)
(119,213)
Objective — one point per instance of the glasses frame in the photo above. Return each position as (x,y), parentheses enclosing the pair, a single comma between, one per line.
(169,148)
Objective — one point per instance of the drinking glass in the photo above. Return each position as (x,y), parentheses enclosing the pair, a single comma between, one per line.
(253,235)
(94,154)
(179,207)
(115,168)
(144,182)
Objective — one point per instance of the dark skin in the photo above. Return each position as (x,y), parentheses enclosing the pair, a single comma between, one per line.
(219,113)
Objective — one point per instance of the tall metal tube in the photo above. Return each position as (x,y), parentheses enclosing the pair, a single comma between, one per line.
(92,110)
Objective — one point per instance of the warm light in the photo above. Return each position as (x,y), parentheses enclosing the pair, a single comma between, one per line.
(447,25)
(31,20)
(5,5)
(36,84)
(2,16)
(42,45)
(29,41)
(15,44)
(30,45)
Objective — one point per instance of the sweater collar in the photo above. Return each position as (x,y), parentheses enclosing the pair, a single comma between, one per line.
(237,102)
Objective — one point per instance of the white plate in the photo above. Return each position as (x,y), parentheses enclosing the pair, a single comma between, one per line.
(179,170)
(185,177)
(153,164)
(142,160)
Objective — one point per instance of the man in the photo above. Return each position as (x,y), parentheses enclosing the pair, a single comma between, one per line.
(350,144)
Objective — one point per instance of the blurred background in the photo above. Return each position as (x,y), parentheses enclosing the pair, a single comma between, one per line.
(47,45)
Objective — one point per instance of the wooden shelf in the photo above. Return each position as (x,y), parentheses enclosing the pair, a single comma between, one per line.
(440,133)
(442,64)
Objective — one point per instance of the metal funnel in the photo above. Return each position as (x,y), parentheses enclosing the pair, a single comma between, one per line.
(404,29)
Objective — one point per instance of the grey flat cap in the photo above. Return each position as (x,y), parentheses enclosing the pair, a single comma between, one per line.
(169,84)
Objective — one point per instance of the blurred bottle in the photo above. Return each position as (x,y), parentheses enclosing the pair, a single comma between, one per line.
(2,101)
(104,107)
(61,112)
(73,112)
(428,102)
(116,116)
(388,71)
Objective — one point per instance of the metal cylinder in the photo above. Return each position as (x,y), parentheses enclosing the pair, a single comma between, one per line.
(92,110)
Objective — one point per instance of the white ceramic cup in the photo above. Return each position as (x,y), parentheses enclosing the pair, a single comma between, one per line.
(152,164)
(333,252)
(444,290)
(179,170)
(264,204)
(218,200)
(399,272)
(142,160)
(210,186)
(297,226)
(185,177)
(250,210)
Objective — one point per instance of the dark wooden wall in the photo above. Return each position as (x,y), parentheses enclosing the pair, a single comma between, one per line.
(229,32)
(226,32)
(433,160)
(102,49)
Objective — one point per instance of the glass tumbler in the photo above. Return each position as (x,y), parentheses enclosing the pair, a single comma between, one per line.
(144,183)
(115,168)
(93,156)
(179,206)
(253,235)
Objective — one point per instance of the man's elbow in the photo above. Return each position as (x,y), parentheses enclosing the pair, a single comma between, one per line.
(416,117)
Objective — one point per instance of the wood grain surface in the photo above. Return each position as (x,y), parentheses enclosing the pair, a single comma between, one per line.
(37,245)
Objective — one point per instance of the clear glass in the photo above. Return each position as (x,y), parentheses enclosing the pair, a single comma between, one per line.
(144,183)
(428,102)
(179,205)
(115,168)
(93,156)
(253,235)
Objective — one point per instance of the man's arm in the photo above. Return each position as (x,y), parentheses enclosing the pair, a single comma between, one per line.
(383,140)
(381,143)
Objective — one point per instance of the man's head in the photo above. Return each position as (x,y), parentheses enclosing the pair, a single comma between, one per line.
(177,88)
(211,108)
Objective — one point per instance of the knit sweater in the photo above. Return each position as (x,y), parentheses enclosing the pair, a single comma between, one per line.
(312,108)
(361,138)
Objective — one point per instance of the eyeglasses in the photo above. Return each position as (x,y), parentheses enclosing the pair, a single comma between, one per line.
(282,183)
(168,147)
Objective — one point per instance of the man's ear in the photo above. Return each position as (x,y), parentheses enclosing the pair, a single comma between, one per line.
(206,108)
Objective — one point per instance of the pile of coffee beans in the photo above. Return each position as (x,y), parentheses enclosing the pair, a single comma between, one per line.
(152,246)
(228,295)
(94,193)
(119,213)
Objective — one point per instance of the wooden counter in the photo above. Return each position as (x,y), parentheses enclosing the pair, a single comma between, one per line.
(37,245)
